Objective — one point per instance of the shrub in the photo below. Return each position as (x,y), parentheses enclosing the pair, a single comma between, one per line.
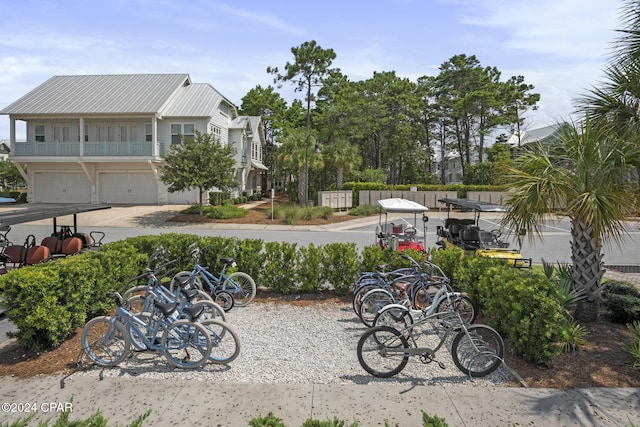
(225,212)
(341,262)
(281,264)
(365,210)
(633,347)
(526,308)
(622,301)
(288,212)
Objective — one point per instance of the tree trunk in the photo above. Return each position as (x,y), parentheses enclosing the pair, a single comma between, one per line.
(339,177)
(302,181)
(586,255)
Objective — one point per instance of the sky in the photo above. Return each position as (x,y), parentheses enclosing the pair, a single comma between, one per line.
(559,46)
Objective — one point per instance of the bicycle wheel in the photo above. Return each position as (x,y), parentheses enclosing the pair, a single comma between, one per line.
(380,351)
(224,300)
(396,316)
(477,350)
(372,302)
(105,341)
(136,290)
(186,344)
(241,286)
(138,304)
(422,298)
(224,340)
(359,293)
(463,305)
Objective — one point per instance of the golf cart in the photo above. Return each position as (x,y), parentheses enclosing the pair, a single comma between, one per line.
(466,234)
(401,234)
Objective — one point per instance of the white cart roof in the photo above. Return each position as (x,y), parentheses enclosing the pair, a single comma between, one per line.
(401,205)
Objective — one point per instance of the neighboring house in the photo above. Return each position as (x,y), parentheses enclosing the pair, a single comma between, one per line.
(100,138)
(452,168)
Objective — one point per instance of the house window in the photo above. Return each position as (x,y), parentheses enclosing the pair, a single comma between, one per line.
(124,137)
(39,133)
(216,131)
(148,133)
(181,130)
(224,108)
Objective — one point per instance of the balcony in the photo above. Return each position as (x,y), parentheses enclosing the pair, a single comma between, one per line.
(91,149)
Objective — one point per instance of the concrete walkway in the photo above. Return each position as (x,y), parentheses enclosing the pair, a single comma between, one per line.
(178,403)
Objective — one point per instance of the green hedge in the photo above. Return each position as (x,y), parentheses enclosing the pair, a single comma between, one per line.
(48,301)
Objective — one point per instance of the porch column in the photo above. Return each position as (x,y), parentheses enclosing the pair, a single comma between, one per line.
(81,122)
(154,137)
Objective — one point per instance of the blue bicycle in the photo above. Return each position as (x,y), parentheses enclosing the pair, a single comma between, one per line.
(238,284)
(185,343)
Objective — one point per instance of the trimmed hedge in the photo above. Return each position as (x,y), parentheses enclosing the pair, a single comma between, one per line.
(48,301)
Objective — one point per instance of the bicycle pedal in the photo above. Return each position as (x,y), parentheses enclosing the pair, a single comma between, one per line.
(442,365)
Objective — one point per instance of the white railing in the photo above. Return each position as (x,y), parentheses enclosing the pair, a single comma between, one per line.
(108,148)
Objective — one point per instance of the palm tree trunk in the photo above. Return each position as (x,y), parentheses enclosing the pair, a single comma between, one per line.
(339,177)
(586,255)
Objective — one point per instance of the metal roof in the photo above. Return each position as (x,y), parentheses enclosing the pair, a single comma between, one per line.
(195,100)
(474,205)
(401,205)
(100,94)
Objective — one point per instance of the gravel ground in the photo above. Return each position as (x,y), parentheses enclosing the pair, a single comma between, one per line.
(285,343)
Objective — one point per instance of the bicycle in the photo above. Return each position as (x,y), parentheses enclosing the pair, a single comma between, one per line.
(443,301)
(185,343)
(477,350)
(140,297)
(240,285)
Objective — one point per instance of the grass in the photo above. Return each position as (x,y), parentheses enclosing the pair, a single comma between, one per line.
(227,211)
(292,213)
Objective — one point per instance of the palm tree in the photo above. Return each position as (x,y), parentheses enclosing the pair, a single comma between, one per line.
(584,176)
(617,99)
(345,157)
(293,156)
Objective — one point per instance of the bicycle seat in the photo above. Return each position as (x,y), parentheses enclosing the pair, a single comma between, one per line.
(228,261)
(194,311)
(182,280)
(189,293)
(167,307)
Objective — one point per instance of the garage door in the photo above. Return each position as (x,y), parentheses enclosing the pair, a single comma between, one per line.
(61,188)
(128,188)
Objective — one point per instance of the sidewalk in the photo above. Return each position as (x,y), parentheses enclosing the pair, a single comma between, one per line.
(172,403)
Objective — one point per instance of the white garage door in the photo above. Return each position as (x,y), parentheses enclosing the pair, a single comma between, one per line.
(61,188)
(128,188)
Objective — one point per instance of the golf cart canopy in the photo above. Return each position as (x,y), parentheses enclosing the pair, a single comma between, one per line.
(474,205)
(401,205)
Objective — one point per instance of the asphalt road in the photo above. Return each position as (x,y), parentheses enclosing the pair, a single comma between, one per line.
(553,245)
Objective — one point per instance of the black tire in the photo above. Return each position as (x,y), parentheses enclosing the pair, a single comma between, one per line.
(224,299)
(463,305)
(373,351)
(105,342)
(478,351)
(373,302)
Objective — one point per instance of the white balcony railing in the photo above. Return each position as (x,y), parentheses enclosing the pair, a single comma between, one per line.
(107,149)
